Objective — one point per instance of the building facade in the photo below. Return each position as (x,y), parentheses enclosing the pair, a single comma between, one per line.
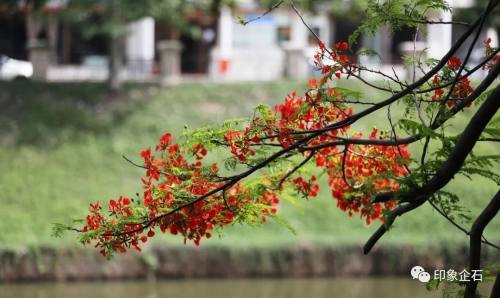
(272,46)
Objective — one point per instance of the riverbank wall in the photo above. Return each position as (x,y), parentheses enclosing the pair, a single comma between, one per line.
(163,262)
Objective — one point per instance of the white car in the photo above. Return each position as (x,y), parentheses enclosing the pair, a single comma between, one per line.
(11,69)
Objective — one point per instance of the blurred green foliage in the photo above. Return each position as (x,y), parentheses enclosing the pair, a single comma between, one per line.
(61,147)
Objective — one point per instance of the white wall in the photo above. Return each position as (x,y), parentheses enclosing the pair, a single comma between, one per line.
(252,52)
(141,40)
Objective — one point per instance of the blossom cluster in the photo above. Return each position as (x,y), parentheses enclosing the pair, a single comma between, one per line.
(185,194)
(459,91)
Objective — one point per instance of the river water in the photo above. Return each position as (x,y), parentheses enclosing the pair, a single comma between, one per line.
(245,288)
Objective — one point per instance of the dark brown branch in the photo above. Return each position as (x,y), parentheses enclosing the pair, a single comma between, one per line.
(441,22)
(394,137)
(444,60)
(351,73)
(444,215)
(353,102)
(429,22)
(446,171)
(307,25)
(476,233)
(411,88)
(493,103)
(404,92)
(395,80)
(290,173)
(264,14)
(224,187)
(311,134)
(353,141)
(495,292)
(466,75)
(424,151)
(489,8)
(410,139)
(344,158)
(140,166)
(489,140)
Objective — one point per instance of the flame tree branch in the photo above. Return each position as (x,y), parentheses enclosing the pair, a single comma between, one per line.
(447,170)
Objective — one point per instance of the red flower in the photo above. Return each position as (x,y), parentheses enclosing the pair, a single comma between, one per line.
(454,63)
(326,69)
(313,84)
(437,94)
(177,174)
(146,154)
(436,80)
(343,46)
(164,142)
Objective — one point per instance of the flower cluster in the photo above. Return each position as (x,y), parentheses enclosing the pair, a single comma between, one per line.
(459,91)
(307,188)
(454,63)
(333,61)
(361,172)
(184,194)
(489,50)
(173,186)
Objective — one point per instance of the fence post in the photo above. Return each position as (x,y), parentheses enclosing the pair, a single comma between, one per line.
(40,58)
(170,62)
(296,66)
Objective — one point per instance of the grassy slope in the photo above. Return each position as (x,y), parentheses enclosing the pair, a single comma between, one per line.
(61,147)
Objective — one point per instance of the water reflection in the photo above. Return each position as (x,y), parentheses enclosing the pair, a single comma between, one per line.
(300,288)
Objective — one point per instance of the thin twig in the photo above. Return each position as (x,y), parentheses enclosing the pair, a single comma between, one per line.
(300,165)
(264,14)
(443,214)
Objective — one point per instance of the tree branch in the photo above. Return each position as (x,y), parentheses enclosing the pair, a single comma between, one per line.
(312,134)
(490,78)
(495,292)
(447,170)
(444,215)
(301,164)
(476,233)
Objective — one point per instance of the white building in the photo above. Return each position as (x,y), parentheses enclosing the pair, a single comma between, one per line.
(279,45)
(270,47)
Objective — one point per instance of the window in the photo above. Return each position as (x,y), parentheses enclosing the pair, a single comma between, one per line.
(284,33)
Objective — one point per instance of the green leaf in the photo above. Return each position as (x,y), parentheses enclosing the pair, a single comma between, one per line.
(241,21)
(58,229)
(292,199)
(348,93)
(230,163)
(265,112)
(368,53)
(414,127)
(433,285)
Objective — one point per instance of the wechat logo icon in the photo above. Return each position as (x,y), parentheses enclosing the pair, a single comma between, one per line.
(418,272)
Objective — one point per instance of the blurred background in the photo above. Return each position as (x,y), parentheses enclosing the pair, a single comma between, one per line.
(84,82)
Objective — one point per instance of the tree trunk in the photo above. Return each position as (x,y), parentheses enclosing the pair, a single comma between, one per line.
(115,63)
(115,49)
(495,292)
(215,12)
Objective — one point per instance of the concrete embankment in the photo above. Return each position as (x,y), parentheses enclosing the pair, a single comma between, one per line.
(57,264)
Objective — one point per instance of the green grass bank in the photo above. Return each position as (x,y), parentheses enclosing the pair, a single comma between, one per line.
(61,148)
